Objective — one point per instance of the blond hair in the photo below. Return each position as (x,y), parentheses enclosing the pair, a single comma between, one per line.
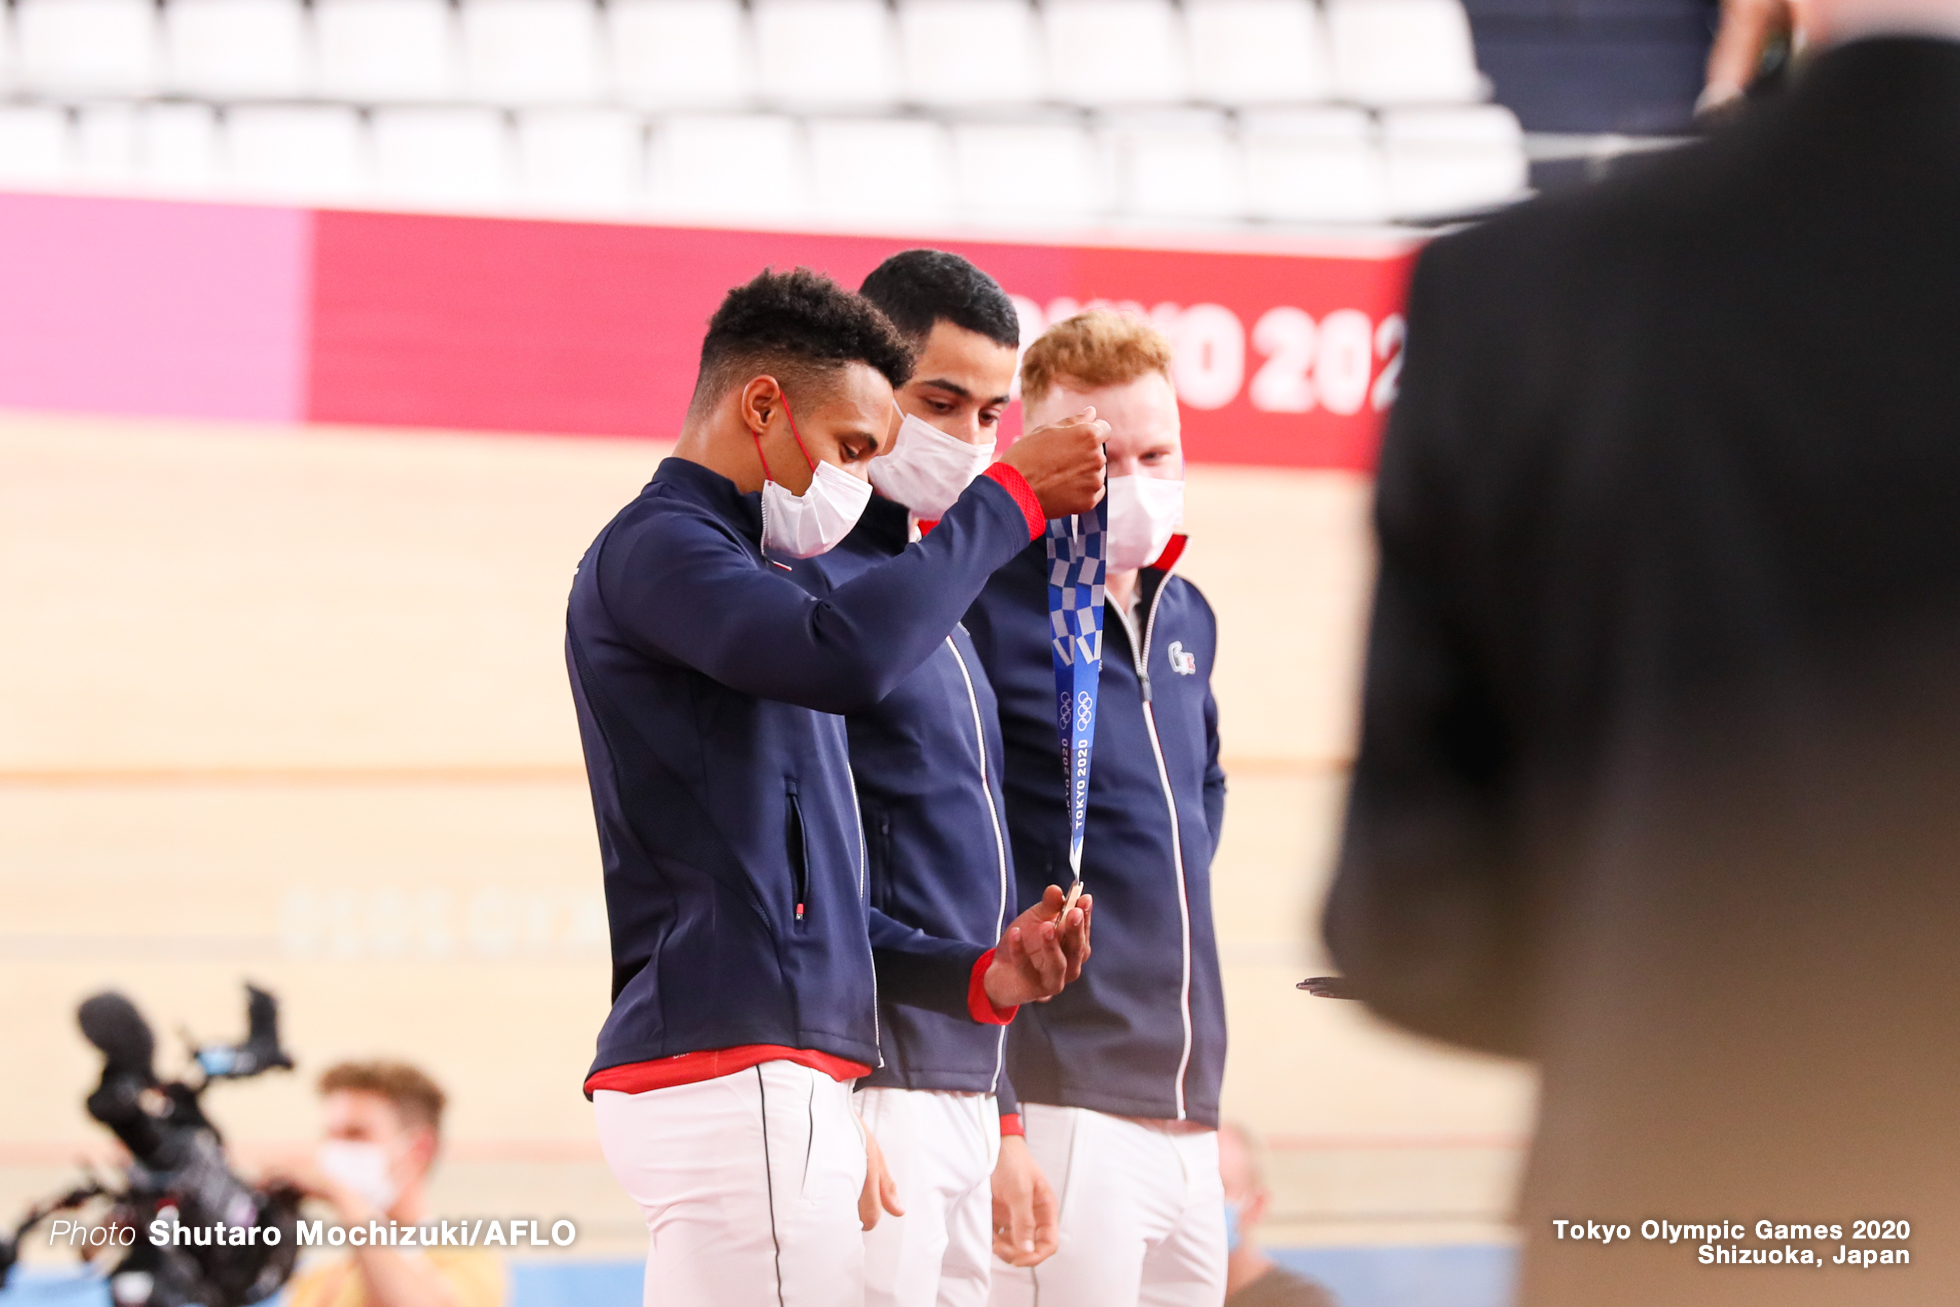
(417,1100)
(1093,350)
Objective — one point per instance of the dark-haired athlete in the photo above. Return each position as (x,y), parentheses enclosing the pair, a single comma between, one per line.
(743,995)
(927,762)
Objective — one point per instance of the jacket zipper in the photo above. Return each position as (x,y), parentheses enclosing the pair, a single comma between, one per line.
(864,900)
(993,815)
(762,543)
(1140,655)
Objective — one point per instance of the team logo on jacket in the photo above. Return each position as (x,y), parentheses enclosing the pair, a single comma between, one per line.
(1183,662)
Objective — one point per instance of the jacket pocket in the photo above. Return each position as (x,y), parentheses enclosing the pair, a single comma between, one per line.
(796,849)
(878,834)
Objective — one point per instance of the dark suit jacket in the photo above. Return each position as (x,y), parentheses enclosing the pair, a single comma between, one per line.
(1659,779)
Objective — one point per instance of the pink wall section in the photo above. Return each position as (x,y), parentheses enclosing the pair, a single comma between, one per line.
(165,309)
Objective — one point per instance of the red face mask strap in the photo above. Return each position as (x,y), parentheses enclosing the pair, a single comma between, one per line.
(799,435)
(764,458)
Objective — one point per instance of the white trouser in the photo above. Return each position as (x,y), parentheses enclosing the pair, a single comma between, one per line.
(749,1184)
(941,1148)
(1143,1214)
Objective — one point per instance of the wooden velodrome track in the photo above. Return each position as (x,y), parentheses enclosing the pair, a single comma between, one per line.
(289,705)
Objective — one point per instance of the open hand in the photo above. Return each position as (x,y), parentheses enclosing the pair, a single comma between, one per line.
(880,1192)
(301,1174)
(1041,950)
(1026,1227)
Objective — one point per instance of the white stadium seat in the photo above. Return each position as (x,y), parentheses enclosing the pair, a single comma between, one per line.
(1029,174)
(35,145)
(1114,52)
(581,158)
(532,51)
(237,48)
(88,47)
(107,148)
(1313,165)
(963,52)
(180,148)
(880,172)
(1175,165)
(825,53)
(1258,51)
(295,152)
(1403,52)
(694,53)
(441,156)
(744,167)
(1453,160)
(386,50)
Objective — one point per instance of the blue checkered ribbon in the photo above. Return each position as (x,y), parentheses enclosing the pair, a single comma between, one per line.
(1078,554)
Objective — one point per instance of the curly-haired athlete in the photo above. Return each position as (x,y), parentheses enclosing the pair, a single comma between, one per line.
(744,998)
(927,763)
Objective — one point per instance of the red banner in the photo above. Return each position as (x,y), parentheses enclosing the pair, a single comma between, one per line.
(1287,352)
(504,325)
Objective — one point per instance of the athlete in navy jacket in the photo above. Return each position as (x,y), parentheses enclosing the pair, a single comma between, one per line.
(1119,1075)
(927,760)
(705,679)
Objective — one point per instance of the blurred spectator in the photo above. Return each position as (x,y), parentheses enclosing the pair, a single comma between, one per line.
(1756,37)
(383,1127)
(1252,1279)
(1661,732)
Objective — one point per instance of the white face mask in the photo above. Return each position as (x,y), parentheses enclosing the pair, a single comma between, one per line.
(927,469)
(1144,512)
(812,523)
(360,1168)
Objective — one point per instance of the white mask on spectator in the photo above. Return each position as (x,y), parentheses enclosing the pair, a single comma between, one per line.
(812,523)
(927,469)
(360,1168)
(1144,513)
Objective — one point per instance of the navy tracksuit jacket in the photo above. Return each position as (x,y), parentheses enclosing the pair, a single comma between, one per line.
(706,681)
(1142,1033)
(927,759)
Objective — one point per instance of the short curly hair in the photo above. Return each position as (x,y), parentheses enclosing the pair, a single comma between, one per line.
(417,1100)
(1093,350)
(800,327)
(920,288)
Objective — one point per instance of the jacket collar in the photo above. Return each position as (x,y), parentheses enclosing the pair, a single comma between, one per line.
(688,480)
(1151,578)
(885,527)
(1173,551)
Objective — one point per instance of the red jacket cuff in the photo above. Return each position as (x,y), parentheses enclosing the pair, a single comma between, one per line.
(1017,485)
(1011,1125)
(978,1005)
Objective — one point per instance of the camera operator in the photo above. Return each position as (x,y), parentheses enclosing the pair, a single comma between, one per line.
(383,1124)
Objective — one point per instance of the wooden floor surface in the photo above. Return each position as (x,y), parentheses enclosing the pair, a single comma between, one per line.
(290,706)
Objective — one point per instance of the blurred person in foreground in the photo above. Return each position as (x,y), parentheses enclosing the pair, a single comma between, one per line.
(1661,733)
(926,761)
(711,691)
(383,1128)
(1252,1279)
(1119,1074)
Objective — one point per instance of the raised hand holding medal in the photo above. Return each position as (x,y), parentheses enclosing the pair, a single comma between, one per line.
(1078,559)
(1045,947)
